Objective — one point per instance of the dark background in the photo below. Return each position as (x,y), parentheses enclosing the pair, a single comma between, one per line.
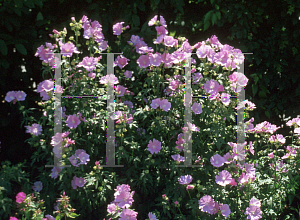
(270,30)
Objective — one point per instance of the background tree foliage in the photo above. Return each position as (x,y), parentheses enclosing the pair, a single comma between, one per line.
(268,29)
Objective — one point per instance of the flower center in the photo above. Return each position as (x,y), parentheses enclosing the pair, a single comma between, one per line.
(88,63)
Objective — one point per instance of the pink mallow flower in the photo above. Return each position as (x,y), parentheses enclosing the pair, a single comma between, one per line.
(151,216)
(197,108)
(121,61)
(15,96)
(143,61)
(217,160)
(225,211)
(68,49)
(73,121)
(128,74)
(185,179)
(206,203)
(109,79)
(224,178)
(165,105)
(111,208)
(154,146)
(118,28)
(34,129)
(211,87)
(88,63)
(128,214)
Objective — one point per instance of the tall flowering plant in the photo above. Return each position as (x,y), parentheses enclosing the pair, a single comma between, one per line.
(233,180)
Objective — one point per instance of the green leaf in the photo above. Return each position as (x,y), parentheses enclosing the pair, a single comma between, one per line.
(3,47)
(213,19)
(17,11)
(206,26)
(136,20)
(254,89)
(262,94)
(267,114)
(172,33)
(29,3)
(207,18)
(61,215)
(141,6)
(39,16)
(218,15)
(21,49)
(156,2)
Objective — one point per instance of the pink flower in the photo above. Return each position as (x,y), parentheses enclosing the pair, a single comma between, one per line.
(192,127)
(155,103)
(215,209)
(128,214)
(294,122)
(152,21)
(174,85)
(243,178)
(225,98)
(225,211)
(155,59)
(233,183)
(111,208)
(109,79)
(13,218)
(128,74)
(154,146)
(15,96)
(253,212)
(92,75)
(250,169)
(211,86)
(34,129)
(151,216)
(143,61)
(55,172)
(68,49)
(80,181)
(217,160)
(20,197)
(49,217)
(239,152)
(38,186)
(206,203)
(74,160)
(228,158)
(185,179)
(190,187)
(162,21)
(176,202)
(197,108)
(123,196)
(169,41)
(118,28)
(73,121)
(120,91)
(178,158)
(88,63)
(165,105)
(271,155)
(224,178)
(121,61)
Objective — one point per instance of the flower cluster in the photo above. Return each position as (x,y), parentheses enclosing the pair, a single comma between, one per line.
(207,204)
(123,200)
(253,211)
